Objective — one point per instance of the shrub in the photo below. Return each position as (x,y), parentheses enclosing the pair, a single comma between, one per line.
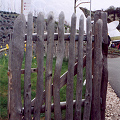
(7,27)
(11,27)
(4,21)
(4,12)
(2,28)
(3,36)
(8,21)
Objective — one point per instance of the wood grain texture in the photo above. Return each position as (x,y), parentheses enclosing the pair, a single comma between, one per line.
(105,64)
(97,73)
(88,94)
(79,85)
(27,75)
(49,62)
(58,66)
(70,76)
(40,63)
(16,54)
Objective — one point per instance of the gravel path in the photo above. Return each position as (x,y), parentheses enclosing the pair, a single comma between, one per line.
(112,105)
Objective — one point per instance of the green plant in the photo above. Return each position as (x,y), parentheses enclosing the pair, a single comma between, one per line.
(7,27)
(11,27)
(4,21)
(4,83)
(2,28)
(8,21)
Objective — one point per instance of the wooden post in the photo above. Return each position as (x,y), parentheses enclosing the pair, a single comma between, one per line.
(70,77)
(40,63)
(88,94)
(105,65)
(16,54)
(79,85)
(75,6)
(97,73)
(21,6)
(49,61)
(27,76)
(59,61)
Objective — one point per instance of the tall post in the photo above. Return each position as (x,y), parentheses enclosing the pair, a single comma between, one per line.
(75,7)
(90,8)
(22,6)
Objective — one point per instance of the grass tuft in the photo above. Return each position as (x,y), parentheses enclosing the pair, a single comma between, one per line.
(4,84)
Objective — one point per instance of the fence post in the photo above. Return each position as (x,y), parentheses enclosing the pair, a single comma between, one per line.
(105,65)
(88,94)
(70,76)
(16,54)
(97,72)
(59,61)
(49,61)
(27,76)
(40,63)
(79,85)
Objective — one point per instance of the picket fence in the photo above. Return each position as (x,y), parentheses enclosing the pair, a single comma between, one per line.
(95,62)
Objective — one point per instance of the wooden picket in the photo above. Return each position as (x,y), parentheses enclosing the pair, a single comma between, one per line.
(16,54)
(79,71)
(59,61)
(27,75)
(40,63)
(95,62)
(70,76)
(88,94)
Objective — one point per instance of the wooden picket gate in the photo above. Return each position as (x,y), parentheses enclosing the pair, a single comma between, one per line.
(95,62)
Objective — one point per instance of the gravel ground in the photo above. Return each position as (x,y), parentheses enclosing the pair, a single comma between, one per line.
(112,105)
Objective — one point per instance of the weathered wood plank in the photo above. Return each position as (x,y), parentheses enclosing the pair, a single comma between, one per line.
(66,36)
(49,61)
(40,63)
(70,77)
(88,94)
(79,85)
(57,73)
(27,76)
(63,79)
(96,99)
(62,105)
(16,53)
(105,65)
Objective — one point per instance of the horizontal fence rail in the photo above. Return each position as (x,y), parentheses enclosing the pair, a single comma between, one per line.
(94,61)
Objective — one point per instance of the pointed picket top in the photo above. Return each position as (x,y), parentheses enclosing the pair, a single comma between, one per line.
(19,25)
(61,17)
(40,27)
(50,17)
